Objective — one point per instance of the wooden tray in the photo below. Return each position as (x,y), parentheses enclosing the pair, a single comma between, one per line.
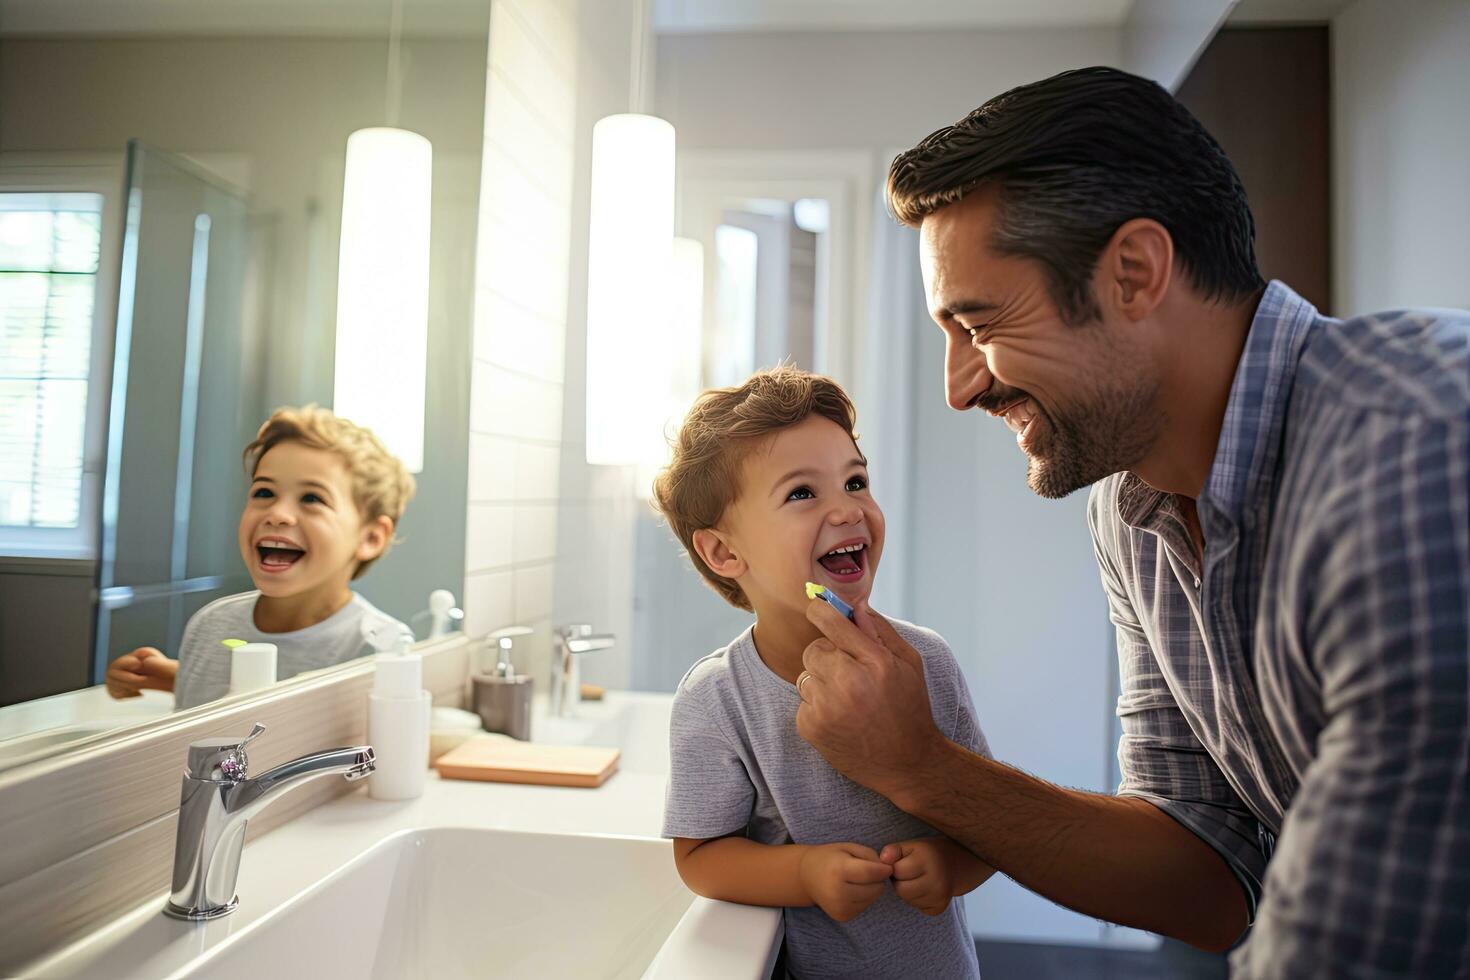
(505,760)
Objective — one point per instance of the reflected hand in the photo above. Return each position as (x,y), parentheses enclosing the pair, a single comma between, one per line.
(146,668)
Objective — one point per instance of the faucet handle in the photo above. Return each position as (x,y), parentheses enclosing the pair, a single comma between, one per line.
(576,630)
(221,758)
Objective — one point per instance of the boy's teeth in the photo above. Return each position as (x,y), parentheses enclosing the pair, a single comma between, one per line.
(844,551)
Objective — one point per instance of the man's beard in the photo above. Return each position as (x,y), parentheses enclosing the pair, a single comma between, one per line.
(1105,432)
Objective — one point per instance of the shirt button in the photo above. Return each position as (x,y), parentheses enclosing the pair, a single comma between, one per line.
(1196,583)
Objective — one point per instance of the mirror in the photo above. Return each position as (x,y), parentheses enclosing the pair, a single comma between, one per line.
(171,206)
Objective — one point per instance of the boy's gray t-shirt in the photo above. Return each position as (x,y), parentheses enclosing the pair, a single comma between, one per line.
(204,662)
(738,764)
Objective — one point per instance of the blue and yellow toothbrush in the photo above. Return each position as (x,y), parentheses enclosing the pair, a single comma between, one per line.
(815,591)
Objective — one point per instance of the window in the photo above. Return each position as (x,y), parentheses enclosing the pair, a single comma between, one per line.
(50,248)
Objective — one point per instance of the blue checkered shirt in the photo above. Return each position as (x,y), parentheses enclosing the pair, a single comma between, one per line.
(1310,676)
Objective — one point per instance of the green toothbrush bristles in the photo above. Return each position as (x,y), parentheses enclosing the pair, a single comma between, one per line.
(813,590)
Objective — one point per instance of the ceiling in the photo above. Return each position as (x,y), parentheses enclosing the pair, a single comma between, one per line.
(267,18)
(468,18)
(465,17)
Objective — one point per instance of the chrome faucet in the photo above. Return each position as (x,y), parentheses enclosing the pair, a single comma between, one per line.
(566,668)
(218,799)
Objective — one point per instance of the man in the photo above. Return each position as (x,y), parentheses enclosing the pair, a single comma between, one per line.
(1280,517)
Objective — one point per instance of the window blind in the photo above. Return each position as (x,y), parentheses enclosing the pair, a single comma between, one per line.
(49,249)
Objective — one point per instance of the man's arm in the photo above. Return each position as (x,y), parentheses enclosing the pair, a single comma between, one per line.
(866,709)
(1371,876)
(1116,858)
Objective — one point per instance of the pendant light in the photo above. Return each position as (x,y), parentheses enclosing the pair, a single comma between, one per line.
(383,276)
(629,257)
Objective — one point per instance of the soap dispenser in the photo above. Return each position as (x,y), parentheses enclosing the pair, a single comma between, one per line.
(502,697)
(398,716)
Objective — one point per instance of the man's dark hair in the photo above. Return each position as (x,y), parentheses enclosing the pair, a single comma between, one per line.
(1075,157)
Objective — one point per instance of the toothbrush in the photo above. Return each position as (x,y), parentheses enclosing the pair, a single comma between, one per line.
(815,591)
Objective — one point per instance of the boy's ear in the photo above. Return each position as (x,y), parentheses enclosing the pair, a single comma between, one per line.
(715,552)
(375,537)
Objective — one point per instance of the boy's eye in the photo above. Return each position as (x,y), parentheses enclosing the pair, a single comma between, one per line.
(263,493)
(855,483)
(801,493)
(311,498)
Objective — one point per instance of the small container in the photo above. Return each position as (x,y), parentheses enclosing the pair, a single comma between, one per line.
(504,705)
(398,725)
(449,728)
(502,698)
(252,666)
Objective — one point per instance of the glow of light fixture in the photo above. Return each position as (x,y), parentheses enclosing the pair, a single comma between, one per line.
(629,252)
(684,336)
(383,289)
(686,322)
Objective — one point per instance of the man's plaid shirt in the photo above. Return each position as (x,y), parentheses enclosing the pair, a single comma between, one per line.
(1309,679)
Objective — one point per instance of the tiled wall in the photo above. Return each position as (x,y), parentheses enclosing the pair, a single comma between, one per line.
(542,523)
(598,504)
(516,385)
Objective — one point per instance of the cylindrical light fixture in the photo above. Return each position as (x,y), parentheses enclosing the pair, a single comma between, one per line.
(628,261)
(383,288)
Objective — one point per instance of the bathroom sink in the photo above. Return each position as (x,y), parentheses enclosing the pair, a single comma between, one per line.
(637,723)
(343,892)
(452,902)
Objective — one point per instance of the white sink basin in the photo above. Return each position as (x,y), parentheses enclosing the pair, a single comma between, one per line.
(448,903)
(636,723)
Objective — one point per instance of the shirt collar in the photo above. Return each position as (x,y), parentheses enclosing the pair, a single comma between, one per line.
(1250,435)
(1244,469)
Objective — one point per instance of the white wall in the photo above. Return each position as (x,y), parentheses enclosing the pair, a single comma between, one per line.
(520,318)
(1401,155)
(879,90)
(549,538)
(596,522)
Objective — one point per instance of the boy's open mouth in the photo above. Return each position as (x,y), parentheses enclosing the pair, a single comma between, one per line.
(847,563)
(278,553)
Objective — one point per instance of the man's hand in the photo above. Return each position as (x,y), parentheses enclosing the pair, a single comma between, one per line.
(843,879)
(144,668)
(865,706)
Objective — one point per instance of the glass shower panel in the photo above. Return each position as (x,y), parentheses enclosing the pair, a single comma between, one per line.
(185,400)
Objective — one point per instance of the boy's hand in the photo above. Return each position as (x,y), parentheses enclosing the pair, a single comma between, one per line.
(843,879)
(923,875)
(145,667)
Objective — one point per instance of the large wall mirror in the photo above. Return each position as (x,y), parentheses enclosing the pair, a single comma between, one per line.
(171,207)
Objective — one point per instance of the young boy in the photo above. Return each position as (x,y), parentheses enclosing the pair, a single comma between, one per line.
(767,490)
(324,499)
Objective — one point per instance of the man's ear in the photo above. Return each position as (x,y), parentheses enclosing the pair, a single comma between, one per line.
(1136,268)
(375,537)
(714,550)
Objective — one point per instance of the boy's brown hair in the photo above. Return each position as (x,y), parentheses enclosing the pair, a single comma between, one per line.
(381,485)
(724,427)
